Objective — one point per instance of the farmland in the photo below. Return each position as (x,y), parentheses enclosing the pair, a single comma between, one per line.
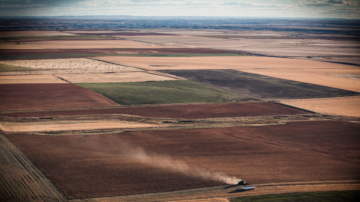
(259,86)
(48,96)
(163,92)
(306,71)
(177,114)
(272,155)
(18,79)
(189,111)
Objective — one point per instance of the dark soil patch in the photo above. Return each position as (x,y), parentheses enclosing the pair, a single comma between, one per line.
(49,96)
(260,86)
(127,34)
(97,166)
(192,111)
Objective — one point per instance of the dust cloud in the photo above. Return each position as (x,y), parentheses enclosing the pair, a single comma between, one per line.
(138,154)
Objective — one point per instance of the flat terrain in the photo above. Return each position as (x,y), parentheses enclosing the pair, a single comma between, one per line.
(292,69)
(33,33)
(7,54)
(343,106)
(49,96)
(114,77)
(258,86)
(21,179)
(73,65)
(351,196)
(191,111)
(77,44)
(21,79)
(108,165)
(163,92)
(70,125)
(67,142)
(5,68)
(274,43)
(225,193)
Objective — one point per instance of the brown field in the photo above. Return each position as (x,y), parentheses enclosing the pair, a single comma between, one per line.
(21,79)
(32,33)
(124,33)
(343,106)
(192,111)
(298,70)
(14,52)
(99,166)
(70,125)
(21,179)
(49,96)
(113,77)
(78,44)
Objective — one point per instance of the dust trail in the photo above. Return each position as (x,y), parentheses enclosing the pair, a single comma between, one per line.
(168,163)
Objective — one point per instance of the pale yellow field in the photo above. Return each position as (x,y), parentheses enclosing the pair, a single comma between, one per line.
(34,33)
(313,76)
(114,78)
(344,106)
(73,65)
(70,125)
(292,69)
(80,44)
(29,79)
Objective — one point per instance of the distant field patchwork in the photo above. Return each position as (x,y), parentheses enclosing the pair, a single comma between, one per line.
(163,92)
(259,86)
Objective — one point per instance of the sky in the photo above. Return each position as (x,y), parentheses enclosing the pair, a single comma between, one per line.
(231,8)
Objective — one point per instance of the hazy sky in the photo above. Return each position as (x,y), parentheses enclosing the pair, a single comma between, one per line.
(251,8)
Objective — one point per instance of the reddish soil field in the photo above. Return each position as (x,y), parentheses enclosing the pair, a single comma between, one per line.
(49,96)
(11,52)
(192,111)
(101,165)
(124,33)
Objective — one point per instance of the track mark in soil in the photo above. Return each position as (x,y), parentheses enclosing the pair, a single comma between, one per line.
(21,180)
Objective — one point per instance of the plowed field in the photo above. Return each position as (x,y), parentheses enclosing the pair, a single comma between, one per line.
(49,96)
(193,111)
(21,180)
(97,166)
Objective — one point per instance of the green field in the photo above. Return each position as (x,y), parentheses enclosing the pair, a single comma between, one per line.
(162,92)
(7,68)
(336,196)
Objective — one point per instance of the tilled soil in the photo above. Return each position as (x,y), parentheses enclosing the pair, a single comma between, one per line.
(190,111)
(101,165)
(49,96)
